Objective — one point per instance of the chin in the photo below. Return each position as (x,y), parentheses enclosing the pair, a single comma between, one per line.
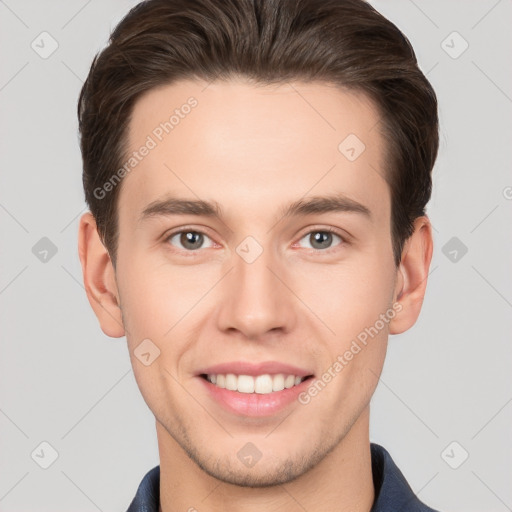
(266,472)
(255,477)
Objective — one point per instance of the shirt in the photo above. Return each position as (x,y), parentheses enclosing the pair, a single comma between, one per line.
(392,492)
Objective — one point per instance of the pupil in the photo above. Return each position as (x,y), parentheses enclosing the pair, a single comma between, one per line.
(321,237)
(190,239)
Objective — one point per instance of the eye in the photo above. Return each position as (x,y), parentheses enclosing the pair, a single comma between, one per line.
(322,239)
(190,240)
(193,240)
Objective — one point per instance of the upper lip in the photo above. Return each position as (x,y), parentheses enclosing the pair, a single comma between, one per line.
(246,368)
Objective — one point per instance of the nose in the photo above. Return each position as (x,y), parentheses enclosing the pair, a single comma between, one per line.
(256,301)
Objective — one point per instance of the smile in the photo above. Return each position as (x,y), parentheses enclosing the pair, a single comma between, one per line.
(261,384)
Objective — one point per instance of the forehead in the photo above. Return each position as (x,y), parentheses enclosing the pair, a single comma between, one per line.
(250,146)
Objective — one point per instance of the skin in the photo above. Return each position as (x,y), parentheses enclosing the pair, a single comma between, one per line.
(255,149)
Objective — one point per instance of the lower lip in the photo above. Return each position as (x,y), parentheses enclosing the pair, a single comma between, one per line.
(255,404)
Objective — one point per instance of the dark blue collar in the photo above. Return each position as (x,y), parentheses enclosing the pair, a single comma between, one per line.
(392,492)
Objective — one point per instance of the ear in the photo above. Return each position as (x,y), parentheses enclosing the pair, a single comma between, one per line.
(99,278)
(412,274)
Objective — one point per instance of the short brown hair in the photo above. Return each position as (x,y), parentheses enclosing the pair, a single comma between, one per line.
(345,42)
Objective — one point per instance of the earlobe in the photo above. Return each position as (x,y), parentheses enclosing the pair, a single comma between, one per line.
(412,276)
(99,278)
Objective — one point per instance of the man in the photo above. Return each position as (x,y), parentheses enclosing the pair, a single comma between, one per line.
(257,173)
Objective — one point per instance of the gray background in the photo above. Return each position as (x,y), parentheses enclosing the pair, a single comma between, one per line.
(62,381)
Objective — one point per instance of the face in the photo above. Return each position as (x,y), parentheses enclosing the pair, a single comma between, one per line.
(260,294)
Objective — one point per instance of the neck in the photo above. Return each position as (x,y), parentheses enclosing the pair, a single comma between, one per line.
(341,482)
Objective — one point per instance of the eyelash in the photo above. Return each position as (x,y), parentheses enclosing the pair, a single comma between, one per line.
(194,253)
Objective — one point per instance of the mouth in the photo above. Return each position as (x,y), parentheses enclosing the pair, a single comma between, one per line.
(254,390)
(260,384)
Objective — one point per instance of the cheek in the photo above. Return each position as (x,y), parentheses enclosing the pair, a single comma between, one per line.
(163,304)
(155,295)
(350,296)
(353,369)
(155,306)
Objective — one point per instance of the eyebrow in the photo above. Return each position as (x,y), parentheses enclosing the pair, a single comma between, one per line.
(309,206)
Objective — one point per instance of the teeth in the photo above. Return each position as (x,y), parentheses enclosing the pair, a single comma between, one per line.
(221,380)
(231,382)
(278,382)
(245,384)
(289,381)
(262,384)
